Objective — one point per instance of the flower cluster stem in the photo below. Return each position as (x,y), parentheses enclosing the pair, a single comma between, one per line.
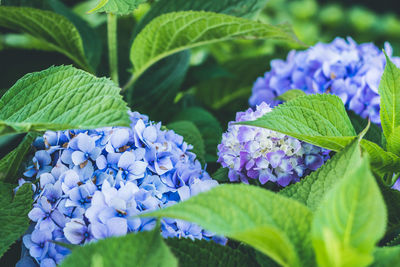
(112,46)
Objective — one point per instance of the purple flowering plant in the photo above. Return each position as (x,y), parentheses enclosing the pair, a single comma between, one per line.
(306,175)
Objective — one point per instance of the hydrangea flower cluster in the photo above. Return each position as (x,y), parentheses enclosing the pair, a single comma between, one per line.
(343,68)
(90,184)
(257,153)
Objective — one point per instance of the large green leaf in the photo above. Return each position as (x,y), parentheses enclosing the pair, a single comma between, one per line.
(389,90)
(386,257)
(61,98)
(10,163)
(254,216)
(174,32)
(317,119)
(119,7)
(208,126)
(238,8)
(350,220)
(140,249)
(13,214)
(207,253)
(191,135)
(312,189)
(393,141)
(53,29)
(291,94)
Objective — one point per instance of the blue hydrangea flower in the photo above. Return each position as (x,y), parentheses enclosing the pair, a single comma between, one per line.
(89,184)
(342,67)
(257,153)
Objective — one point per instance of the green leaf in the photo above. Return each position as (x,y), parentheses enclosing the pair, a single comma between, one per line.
(61,98)
(389,90)
(251,215)
(208,126)
(381,161)
(118,7)
(221,175)
(311,190)
(317,119)
(191,135)
(350,220)
(238,8)
(393,141)
(207,253)
(14,211)
(140,249)
(159,84)
(53,29)
(10,163)
(386,257)
(174,32)
(291,94)
(392,200)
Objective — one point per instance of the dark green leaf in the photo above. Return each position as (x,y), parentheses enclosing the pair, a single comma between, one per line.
(191,135)
(386,257)
(207,253)
(53,29)
(61,98)
(13,214)
(10,163)
(382,162)
(208,126)
(374,133)
(140,249)
(221,175)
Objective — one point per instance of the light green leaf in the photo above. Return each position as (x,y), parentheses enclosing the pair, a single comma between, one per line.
(291,94)
(61,98)
(386,257)
(191,136)
(251,215)
(389,90)
(14,219)
(118,7)
(393,141)
(174,32)
(202,253)
(55,30)
(317,119)
(350,220)
(208,126)
(382,162)
(140,249)
(312,189)
(10,163)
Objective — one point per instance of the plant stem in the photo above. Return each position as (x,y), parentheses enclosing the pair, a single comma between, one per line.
(112,46)
(129,83)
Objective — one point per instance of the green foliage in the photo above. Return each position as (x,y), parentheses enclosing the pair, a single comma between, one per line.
(191,135)
(311,190)
(318,119)
(350,220)
(208,126)
(174,32)
(207,253)
(221,175)
(254,216)
(9,164)
(374,133)
(141,249)
(55,30)
(118,7)
(389,90)
(382,162)
(61,98)
(14,219)
(291,94)
(386,257)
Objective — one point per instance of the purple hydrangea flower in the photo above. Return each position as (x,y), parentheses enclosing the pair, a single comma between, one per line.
(89,184)
(343,68)
(257,153)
